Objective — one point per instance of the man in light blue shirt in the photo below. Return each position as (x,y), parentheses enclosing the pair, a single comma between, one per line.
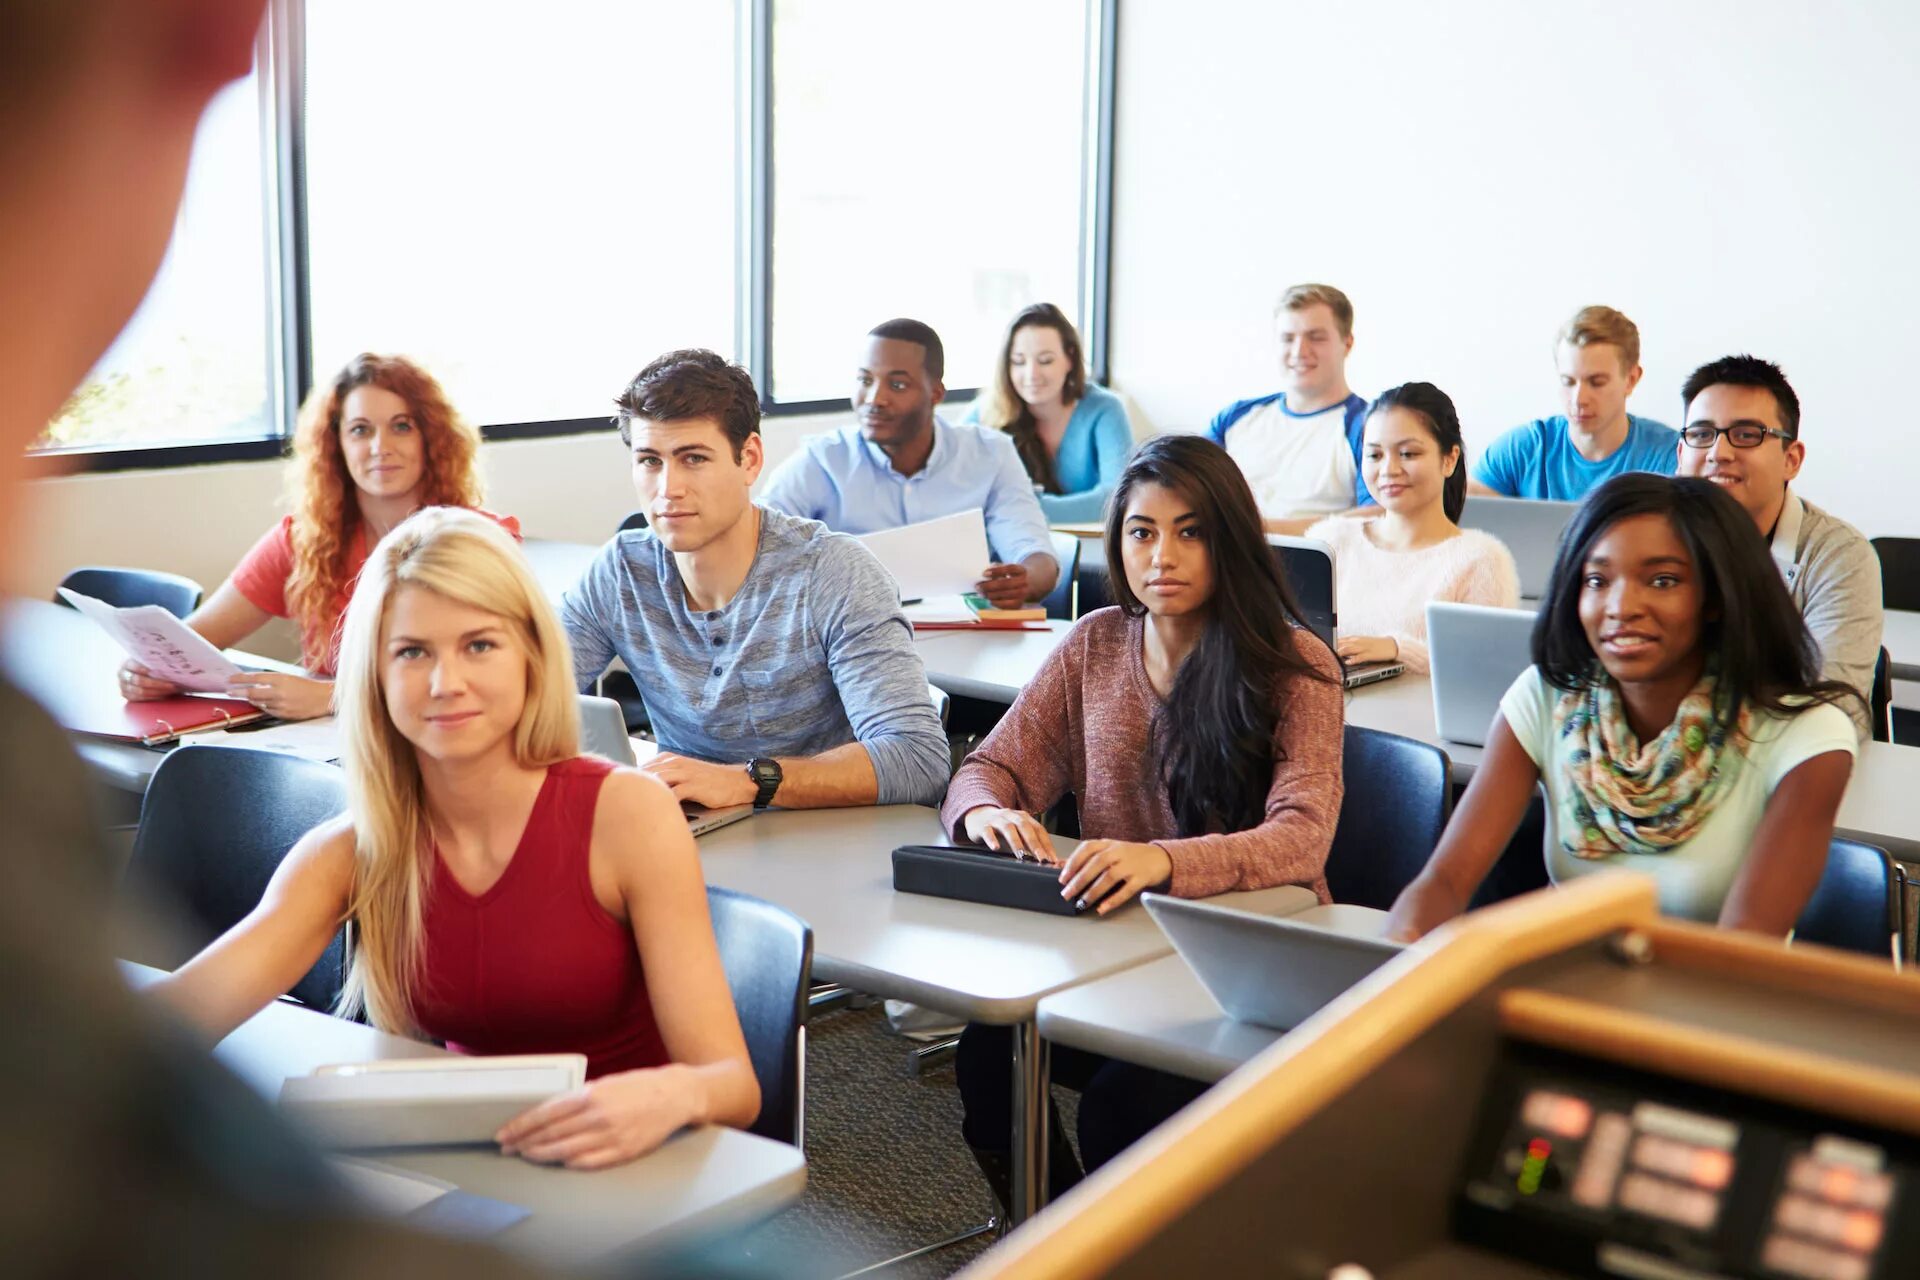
(1563,457)
(900,465)
(772,655)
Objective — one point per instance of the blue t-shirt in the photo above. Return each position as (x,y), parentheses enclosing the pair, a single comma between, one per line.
(1538,460)
(1093,452)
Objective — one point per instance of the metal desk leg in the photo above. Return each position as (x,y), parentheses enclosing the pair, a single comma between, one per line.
(1031,1077)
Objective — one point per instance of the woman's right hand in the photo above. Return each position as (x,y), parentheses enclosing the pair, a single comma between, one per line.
(137,684)
(1012,831)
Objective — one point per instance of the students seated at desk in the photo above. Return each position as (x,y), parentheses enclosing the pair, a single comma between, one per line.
(1675,714)
(772,655)
(1198,726)
(469,806)
(1300,447)
(373,446)
(900,464)
(1563,457)
(1072,435)
(1388,567)
(1743,433)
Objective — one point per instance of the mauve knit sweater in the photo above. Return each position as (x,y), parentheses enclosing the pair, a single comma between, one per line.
(1083,725)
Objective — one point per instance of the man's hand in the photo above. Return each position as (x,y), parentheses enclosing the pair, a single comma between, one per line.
(1004,585)
(717,786)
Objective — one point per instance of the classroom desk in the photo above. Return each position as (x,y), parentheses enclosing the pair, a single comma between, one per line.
(1877,808)
(985,964)
(1158,1015)
(702,1182)
(993,666)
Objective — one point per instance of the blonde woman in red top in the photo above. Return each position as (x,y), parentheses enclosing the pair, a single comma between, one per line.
(376,444)
(509,895)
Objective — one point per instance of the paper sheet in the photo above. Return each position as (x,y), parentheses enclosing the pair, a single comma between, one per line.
(388,1191)
(943,557)
(161,642)
(947,608)
(308,739)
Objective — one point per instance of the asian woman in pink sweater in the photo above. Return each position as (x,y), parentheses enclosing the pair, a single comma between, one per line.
(1389,566)
(1197,724)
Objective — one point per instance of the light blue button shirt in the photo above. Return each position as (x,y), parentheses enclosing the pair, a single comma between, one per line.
(849,485)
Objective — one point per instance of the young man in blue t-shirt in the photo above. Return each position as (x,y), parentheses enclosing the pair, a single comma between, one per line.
(1300,448)
(1563,457)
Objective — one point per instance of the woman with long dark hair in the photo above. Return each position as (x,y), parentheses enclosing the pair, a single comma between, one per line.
(1389,566)
(1198,727)
(1675,713)
(1072,434)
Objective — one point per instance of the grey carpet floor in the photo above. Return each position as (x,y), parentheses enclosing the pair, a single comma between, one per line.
(886,1168)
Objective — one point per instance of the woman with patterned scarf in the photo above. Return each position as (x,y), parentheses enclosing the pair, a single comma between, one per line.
(1674,712)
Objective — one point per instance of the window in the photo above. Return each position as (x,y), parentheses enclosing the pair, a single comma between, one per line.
(195,364)
(927,162)
(533,205)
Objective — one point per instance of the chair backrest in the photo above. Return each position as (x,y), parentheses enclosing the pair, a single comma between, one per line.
(215,825)
(1880,703)
(1059,601)
(1399,793)
(127,588)
(1856,906)
(603,729)
(1899,572)
(942,703)
(767,952)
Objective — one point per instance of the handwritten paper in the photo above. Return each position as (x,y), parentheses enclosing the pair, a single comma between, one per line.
(943,557)
(161,643)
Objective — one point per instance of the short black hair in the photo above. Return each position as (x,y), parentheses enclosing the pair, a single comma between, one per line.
(920,333)
(691,383)
(1767,657)
(1745,371)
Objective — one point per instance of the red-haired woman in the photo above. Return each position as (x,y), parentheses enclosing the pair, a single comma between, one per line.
(372,447)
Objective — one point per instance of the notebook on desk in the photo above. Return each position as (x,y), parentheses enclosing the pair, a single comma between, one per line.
(603,731)
(1273,971)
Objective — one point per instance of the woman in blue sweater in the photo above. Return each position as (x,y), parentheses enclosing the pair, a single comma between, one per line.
(1072,434)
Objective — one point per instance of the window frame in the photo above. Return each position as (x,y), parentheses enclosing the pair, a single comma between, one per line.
(281,57)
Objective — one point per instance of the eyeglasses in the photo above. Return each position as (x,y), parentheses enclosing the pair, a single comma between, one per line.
(1742,435)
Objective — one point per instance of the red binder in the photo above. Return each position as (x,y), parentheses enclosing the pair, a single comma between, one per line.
(152,723)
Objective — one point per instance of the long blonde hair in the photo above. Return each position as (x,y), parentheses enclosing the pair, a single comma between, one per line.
(321,492)
(470,560)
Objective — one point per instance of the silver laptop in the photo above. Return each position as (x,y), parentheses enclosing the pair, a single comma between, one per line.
(603,731)
(1530,527)
(1276,971)
(1476,653)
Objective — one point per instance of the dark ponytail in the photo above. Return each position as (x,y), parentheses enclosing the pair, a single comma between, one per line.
(1432,406)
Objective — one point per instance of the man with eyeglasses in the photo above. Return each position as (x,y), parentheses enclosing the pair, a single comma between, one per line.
(1743,433)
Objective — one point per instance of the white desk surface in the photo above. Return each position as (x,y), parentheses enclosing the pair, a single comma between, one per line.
(1158,1015)
(703,1181)
(833,868)
(1877,808)
(993,666)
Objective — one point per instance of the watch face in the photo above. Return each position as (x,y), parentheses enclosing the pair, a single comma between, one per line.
(764,771)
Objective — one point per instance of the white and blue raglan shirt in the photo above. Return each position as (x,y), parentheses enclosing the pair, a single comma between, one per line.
(1296,463)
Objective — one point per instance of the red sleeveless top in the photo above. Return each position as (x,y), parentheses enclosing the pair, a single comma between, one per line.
(535,964)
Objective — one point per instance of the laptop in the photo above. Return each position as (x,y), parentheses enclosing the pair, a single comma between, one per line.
(1531,530)
(1274,971)
(603,731)
(1307,567)
(1476,653)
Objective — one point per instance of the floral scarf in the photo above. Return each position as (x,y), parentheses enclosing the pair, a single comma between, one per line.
(1626,798)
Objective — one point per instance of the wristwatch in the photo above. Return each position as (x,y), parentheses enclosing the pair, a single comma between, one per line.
(767,776)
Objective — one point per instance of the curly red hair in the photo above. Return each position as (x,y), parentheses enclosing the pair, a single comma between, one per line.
(323,519)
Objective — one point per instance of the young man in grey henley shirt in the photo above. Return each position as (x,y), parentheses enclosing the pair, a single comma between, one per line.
(1743,433)
(772,655)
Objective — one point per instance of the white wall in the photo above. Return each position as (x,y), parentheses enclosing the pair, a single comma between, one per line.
(1734,176)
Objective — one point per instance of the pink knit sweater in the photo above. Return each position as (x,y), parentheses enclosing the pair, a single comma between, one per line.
(1385,593)
(1082,725)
